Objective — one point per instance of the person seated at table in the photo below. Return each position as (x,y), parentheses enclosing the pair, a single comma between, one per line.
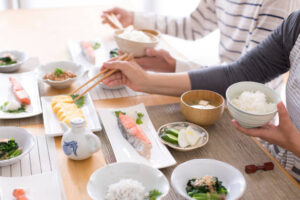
(242,24)
(277,54)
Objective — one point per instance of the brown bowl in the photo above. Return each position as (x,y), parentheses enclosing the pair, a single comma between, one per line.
(202,117)
(137,48)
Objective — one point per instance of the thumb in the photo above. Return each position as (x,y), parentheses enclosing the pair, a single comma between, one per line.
(282,113)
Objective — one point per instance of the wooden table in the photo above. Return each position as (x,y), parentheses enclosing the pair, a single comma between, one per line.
(44,34)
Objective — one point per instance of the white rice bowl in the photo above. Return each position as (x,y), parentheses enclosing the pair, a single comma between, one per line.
(135,35)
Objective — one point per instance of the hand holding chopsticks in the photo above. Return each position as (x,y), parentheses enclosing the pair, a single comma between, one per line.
(106,73)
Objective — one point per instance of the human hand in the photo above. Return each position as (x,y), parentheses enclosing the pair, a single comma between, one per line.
(284,135)
(125,17)
(157,60)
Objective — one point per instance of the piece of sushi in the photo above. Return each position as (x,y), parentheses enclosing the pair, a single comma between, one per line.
(19,91)
(88,51)
(134,135)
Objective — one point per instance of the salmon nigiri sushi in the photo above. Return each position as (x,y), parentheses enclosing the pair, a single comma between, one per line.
(19,91)
(134,135)
(88,51)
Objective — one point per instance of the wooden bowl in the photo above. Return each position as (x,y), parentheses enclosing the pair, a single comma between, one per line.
(202,117)
(137,48)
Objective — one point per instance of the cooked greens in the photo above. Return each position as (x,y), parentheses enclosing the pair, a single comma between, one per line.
(19,110)
(139,118)
(153,194)
(80,102)
(206,188)
(59,71)
(7,60)
(9,149)
(117,113)
(96,46)
(114,53)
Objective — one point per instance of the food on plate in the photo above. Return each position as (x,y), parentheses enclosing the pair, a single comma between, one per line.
(114,53)
(66,109)
(19,91)
(206,188)
(20,194)
(253,102)
(203,104)
(135,35)
(129,189)
(134,134)
(13,106)
(59,75)
(7,59)
(79,102)
(88,50)
(182,136)
(9,148)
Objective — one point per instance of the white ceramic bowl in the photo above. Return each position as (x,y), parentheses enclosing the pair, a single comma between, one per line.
(231,178)
(24,139)
(245,119)
(64,65)
(137,48)
(19,55)
(150,177)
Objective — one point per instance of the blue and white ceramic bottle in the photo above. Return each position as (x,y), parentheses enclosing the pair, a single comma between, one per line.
(78,142)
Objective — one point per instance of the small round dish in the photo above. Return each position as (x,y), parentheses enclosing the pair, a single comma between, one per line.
(64,65)
(231,177)
(24,139)
(177,125)
(150,177)
(19,55)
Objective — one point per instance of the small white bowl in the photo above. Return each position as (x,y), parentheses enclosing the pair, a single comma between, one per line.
(150,177)
(231,178)
(246,119)
(19,55)
(24,139)
(64,65)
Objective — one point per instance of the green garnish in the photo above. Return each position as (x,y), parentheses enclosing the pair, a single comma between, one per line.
(9,149)
(114,53)
(7,60)
(20,110)
(153,194)
(80,102)
(58,71)
(117,113)
(139,119)
(96,46)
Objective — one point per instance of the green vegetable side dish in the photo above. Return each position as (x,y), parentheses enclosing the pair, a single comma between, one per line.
(139,118)
(206,188)
(20,110)
(114,53)
(9,149)
(96,46)
(153,194)
(172,131)
(7,60)
(170,135)
(58,71)
(117,113)
(80,102)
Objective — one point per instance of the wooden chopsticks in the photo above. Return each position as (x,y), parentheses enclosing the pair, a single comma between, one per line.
(106,73)
(115,21)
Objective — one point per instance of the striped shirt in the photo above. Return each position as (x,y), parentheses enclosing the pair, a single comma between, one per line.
(277,54)
(242,23)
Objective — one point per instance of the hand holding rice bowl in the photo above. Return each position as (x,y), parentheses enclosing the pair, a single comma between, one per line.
(252,104)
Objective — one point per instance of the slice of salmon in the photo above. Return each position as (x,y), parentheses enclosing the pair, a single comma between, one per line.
(134,135)
(19,91)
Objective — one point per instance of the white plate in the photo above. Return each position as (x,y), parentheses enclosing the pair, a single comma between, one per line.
(124,152)
(19,55)
(51,122)
(48,190)
(231,178)
(30,84)
(150,178)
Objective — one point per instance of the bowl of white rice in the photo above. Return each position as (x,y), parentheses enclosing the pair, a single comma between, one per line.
(252,104)
(136,41)
(127,181)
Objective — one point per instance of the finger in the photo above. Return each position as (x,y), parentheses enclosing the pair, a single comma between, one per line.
(255,132)
(116,83)
(154,52)
(282,113)
(105,16)
(113,77)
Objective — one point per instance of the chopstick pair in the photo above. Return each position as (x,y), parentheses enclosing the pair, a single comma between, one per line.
(106,73)
(115,21)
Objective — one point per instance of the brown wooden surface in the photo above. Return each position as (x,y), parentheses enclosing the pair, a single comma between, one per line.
(43,33)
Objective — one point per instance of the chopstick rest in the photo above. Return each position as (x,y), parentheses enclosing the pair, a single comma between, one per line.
(253,168)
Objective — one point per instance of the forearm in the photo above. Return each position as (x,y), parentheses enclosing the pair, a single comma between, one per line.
(295,144)
(166,83)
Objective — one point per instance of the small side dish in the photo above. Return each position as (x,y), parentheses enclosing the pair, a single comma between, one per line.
(129,189)
(113,53)
(206,188)
(7,59)
(9,148)
(59,75)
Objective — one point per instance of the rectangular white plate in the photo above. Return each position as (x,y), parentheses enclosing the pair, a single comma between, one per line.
(42,186)
(124,152)
(30,84)
(52,124)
